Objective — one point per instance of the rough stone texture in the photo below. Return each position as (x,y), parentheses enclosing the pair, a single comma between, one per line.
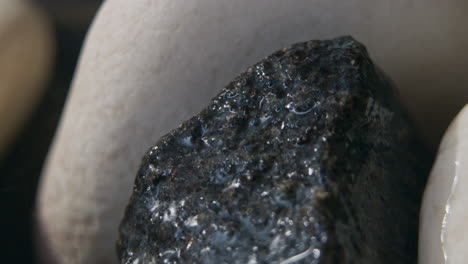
(304,158)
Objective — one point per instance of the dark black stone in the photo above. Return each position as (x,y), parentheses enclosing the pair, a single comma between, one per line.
(306,157)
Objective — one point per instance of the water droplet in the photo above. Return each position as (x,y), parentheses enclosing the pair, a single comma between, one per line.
(187,141)
(293,108)
(152,168)
(263,119)
(261,103)
(230,94)
(154,206)
(316,253)
(170,214)
(191,221)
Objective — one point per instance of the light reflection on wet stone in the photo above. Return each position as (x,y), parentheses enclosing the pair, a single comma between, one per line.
(304,158)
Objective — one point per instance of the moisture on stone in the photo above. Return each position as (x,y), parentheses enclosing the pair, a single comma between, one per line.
(307,157)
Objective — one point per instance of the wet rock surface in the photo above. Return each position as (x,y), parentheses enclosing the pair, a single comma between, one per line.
(306,157)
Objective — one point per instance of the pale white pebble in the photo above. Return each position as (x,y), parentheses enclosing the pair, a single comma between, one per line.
(443,222)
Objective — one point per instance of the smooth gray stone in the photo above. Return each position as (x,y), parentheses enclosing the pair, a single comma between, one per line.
(148,65)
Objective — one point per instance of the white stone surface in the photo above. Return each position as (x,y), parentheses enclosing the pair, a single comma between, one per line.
(444,214)
(26,47)
(148,65)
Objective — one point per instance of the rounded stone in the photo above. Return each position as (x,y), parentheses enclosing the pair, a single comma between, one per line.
(26,48)
(148,65)
(443,221)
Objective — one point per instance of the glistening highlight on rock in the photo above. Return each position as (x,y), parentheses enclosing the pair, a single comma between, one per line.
(307,156)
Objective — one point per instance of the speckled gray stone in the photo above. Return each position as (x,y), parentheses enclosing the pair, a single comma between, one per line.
(306,157)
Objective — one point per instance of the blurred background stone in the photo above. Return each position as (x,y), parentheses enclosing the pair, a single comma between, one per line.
(21,162)
(26,54)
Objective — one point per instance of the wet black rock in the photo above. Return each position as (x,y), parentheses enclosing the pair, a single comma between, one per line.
(306,157)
